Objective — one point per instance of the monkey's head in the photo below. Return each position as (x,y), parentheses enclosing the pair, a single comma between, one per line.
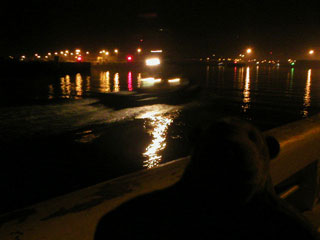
(231,160)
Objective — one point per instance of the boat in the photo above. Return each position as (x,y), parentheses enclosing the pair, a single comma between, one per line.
(157,94)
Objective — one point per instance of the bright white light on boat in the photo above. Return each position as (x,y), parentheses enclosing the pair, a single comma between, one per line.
(151,80)
(156,51)
(152,61)
(174,80)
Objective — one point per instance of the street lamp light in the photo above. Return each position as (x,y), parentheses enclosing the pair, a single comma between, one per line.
(311,52)
(249,50)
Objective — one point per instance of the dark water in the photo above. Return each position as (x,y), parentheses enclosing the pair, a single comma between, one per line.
(62,133)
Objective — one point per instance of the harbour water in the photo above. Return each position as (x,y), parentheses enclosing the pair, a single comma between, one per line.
(62,133)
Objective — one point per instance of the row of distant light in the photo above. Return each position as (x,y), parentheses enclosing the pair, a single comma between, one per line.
(64,53)
(236,60)
(116,51)
(249,50)
(78,52)
(139,50)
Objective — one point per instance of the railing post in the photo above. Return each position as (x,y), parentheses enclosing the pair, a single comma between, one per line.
(304,186)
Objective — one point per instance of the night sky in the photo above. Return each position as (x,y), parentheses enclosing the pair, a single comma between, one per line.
(287,28)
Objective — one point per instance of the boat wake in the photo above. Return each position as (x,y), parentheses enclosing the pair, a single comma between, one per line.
(44,120)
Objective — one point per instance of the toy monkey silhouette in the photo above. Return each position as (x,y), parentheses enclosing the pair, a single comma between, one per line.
(225,192)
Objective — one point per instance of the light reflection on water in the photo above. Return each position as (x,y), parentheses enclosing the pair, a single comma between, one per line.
(286,84)
(157,125)
(295,90)
(70,86)
(236,84)
(116,85)
(130,81)
(246,92)
(105,81)
(291,94)
(285,92)
(257,74)
(307,98)
(88,82)
(291,79)
(50,92)
(139,80)
(207,74)
(65,86)
(235,74)
(78,87)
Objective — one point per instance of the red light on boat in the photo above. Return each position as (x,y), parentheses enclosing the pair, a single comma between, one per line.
(129,58)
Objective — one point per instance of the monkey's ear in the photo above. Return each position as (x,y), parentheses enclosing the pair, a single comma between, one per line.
(273,145)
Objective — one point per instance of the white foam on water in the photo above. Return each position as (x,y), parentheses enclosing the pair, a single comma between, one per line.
(30,121)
